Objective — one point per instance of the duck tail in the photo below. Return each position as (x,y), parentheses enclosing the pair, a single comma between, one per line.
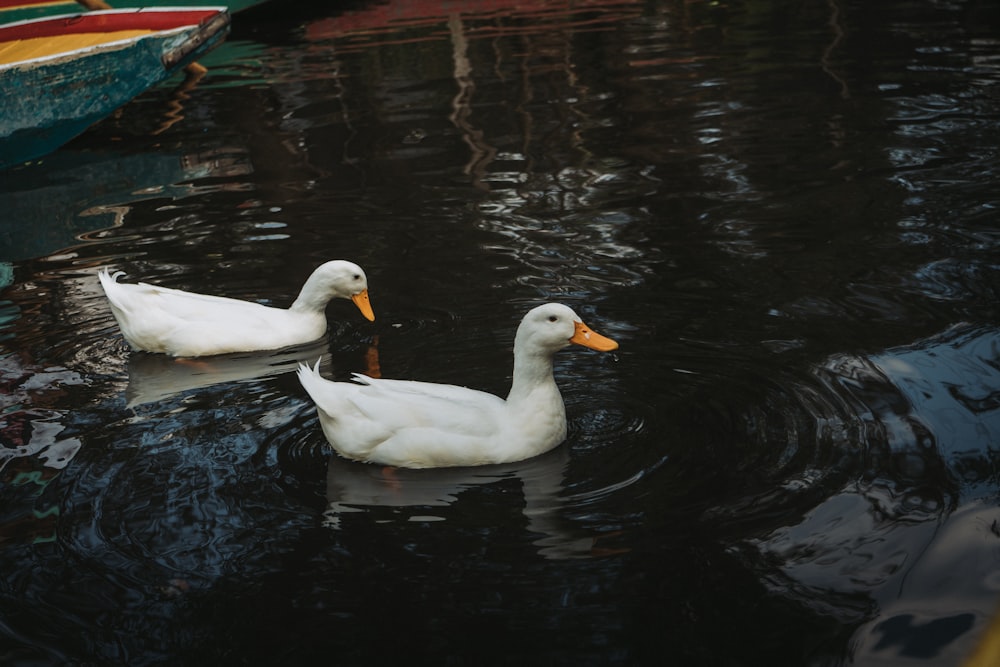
(108,278)
(313,383)
(109,282)
(308,376)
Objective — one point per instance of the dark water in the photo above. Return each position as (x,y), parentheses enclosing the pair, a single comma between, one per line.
(785,212)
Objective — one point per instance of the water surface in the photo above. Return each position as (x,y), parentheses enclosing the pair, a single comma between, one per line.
(785,213)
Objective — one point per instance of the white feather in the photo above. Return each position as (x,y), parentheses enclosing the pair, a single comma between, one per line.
(188,324)
(425,425)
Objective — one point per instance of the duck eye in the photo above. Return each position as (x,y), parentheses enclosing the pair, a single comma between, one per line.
(357,276)
(552,318)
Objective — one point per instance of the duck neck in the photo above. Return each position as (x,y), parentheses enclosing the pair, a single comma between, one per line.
(310,299)
(532,374)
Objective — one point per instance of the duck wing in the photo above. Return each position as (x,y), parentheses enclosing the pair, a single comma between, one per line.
(180,323)
(398,404)
(407,423)
(142,298)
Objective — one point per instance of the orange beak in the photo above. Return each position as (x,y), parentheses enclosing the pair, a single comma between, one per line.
(595,341)
(364,305)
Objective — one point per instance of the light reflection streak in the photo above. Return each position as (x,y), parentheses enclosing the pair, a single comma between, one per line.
(482,152)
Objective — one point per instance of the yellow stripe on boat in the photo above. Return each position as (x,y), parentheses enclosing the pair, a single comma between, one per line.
(39,47)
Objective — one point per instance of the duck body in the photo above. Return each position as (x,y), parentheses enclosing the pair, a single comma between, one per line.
(189,324)
(426,425)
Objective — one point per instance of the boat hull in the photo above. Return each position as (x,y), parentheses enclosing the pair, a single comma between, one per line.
(71,91)
(22,10)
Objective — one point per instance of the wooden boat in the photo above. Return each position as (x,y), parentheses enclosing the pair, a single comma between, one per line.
(21,10)
(71,71)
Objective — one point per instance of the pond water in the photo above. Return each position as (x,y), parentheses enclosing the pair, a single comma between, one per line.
(786,213)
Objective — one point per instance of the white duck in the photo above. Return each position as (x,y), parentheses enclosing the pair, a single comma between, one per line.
(187,324)
(425,425)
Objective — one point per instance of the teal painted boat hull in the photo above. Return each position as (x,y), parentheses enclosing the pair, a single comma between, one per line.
(65,94)
(22,10)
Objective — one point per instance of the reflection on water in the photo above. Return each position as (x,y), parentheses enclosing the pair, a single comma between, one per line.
(784,214)
(153,377)
(35,447)
(49,206)
(916,529)
(411,495)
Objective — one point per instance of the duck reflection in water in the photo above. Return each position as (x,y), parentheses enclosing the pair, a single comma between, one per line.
(154,377)
(386,494)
